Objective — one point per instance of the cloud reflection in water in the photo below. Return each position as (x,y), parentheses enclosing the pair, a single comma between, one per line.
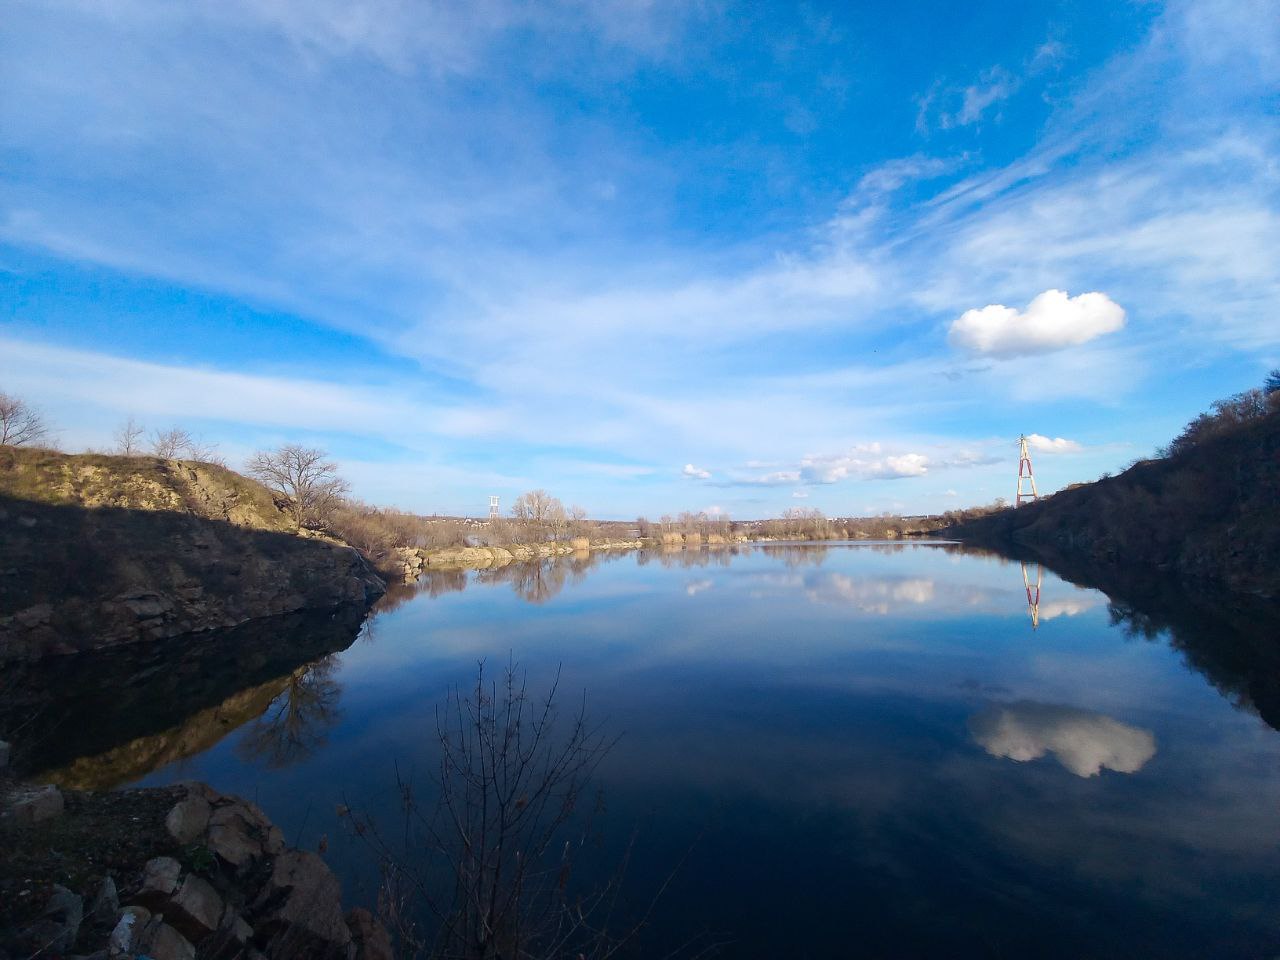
(1082,741)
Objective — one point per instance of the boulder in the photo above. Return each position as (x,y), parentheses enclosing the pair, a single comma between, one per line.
(106,903)
(300,909)
(159,941)
(36,804)
(369,936)
(56,930)
(188,818)
(159,881)
(128,932)
(195,909)
(233,835)
(234,927)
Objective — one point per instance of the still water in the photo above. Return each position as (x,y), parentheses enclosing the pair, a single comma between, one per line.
(854,750)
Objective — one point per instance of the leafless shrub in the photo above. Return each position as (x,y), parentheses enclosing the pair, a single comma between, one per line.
(486,869)
(204,451)
(128,437)
(170,443)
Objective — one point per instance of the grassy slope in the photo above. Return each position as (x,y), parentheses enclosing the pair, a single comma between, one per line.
(139,483)
(1211,515)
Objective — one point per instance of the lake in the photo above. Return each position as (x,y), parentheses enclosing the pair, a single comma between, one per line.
(881,750)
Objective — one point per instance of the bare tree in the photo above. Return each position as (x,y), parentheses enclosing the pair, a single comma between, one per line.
(20,423)
(487,870)
(128,437)
(170,443)
(303,478)
(541,514)
(579,524)
(204,451)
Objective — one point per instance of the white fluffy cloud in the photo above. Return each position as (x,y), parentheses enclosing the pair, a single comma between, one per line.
(697,473)
(1054,445)
(1084,742)
(1052,321)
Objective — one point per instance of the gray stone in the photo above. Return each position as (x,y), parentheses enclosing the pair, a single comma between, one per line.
(188,818)
(147,606)
(36,804)
(235,926)
(301,905)
(232,835)
(34,616)
(274,843)
(4,755)
(162,942)
(59,923)
(195,910)
(106,903)
(127,932)
(159,881)
(371,939)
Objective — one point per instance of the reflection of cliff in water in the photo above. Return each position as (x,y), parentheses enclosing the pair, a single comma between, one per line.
(289,718)
(1231,638)
(156,702)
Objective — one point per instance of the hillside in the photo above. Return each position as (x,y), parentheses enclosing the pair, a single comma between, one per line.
(1208,513)
(100,550)
(93,480)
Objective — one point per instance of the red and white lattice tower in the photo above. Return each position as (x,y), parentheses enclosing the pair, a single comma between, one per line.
(1033,593)
(1025,474)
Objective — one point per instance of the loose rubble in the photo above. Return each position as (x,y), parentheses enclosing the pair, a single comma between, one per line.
(232,891)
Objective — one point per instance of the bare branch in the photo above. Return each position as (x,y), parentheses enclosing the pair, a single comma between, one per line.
(170,443)
(20,423)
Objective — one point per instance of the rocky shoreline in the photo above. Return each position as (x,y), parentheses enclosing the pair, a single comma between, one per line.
(168,873)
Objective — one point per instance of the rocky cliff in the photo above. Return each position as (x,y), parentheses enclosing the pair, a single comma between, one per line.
(97,551)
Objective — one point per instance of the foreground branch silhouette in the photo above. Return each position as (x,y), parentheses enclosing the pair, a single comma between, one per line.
(485,869)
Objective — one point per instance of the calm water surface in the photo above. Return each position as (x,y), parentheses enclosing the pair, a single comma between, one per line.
(864,750)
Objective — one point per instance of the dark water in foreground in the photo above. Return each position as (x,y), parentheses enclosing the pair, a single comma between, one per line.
(863,750)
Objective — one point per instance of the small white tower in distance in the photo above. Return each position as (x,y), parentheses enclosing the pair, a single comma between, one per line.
(493,508)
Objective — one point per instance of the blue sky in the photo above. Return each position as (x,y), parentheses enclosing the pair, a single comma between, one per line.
(649,256)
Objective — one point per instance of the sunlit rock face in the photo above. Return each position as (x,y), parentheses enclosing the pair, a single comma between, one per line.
(1082,741)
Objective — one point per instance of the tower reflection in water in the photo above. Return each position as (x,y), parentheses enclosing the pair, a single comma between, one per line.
(1033,591)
